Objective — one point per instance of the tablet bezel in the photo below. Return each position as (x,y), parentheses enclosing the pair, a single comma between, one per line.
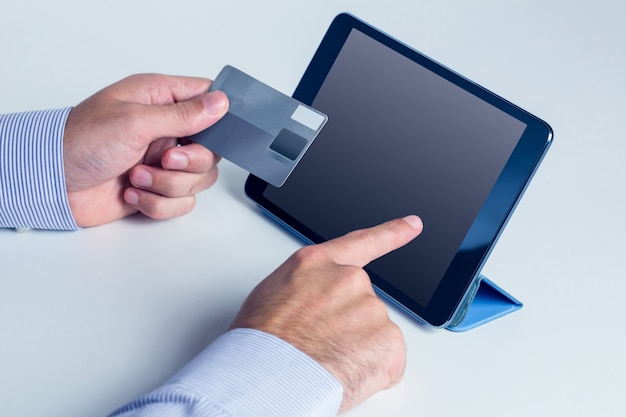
(508,189)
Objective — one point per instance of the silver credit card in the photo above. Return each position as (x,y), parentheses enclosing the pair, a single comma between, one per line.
(265,131)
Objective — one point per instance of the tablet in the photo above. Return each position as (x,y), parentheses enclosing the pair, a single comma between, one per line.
(406,135)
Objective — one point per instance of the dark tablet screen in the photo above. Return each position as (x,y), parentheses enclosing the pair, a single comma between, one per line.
(401,139)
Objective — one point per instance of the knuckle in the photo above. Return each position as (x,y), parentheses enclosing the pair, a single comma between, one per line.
(134,78)
(162,208)
(182,184)
(212,177)
(153,209)
(202,181)
(207,160)
(206,182)
(396,336)
(183,113)
(310,254)
(355,279)
(376,309)
(351,282)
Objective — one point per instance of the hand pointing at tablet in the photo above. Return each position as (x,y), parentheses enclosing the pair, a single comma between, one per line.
(321,301)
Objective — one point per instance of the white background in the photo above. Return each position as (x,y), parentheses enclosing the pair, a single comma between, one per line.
(92,319)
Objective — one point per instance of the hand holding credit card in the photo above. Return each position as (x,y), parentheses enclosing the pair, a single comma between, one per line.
(265,131)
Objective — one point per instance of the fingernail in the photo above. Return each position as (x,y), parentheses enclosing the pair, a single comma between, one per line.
(214,102)
(141,178)
(414,221)
(177,160)
(131,197)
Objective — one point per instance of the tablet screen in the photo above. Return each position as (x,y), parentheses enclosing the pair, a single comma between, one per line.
(400,139)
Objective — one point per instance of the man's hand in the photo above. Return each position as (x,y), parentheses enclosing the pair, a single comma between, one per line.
(322,302)
(121,150)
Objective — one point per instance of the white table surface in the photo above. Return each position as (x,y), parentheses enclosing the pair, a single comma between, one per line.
(92,319)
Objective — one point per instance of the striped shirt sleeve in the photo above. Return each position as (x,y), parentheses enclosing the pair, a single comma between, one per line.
(244,373)
(32,179)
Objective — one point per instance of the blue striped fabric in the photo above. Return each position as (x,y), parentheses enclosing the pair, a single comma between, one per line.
(244,373)
(32,181)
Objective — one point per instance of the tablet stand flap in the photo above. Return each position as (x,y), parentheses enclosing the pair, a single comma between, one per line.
(489,303)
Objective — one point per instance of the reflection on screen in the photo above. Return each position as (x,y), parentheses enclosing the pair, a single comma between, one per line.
(399,140)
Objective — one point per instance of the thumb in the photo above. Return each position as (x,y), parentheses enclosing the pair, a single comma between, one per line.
(185,118)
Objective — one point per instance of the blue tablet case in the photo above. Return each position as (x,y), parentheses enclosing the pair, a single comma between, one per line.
(489,303)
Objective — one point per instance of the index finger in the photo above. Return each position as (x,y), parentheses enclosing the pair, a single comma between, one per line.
(159,89)
(360,247)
